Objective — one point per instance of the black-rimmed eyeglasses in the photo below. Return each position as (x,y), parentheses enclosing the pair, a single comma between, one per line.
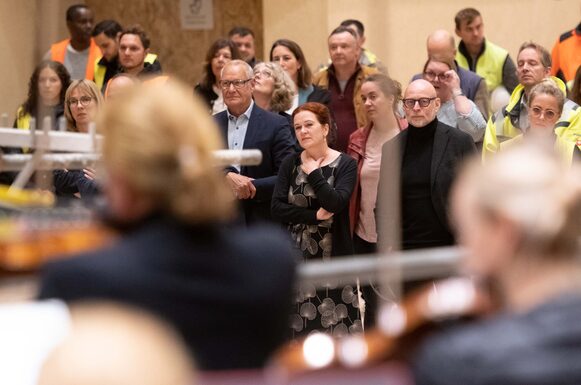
(423,102)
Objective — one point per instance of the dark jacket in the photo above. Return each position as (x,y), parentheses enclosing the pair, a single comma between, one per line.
(314,94)
(451,147)
(269,133)
(150,69)
(538,347)
(207,95)
(69,182)
(333,199)
(226,291)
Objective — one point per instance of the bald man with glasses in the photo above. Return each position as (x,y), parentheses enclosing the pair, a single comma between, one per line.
(429,154)
(244,125)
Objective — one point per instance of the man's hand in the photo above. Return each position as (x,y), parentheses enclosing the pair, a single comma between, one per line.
(242,186)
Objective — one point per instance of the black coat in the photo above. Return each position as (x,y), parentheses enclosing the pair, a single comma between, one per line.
(207,94)
(319,95)
(226,291)
(541,346)
(451,148)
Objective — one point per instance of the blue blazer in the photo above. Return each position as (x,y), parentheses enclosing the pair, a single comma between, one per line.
(271,134)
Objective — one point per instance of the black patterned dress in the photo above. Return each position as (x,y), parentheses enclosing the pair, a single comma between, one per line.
(334,310)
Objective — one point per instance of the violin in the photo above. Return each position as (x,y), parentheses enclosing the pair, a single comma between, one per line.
(400,327)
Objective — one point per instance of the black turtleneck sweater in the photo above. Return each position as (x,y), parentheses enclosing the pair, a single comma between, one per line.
(420,224)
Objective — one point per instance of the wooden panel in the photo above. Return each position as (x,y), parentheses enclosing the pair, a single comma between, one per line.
(181,52)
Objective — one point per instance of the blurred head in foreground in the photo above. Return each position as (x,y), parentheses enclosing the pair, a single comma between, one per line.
(519,213)
(115,345)
(158,152)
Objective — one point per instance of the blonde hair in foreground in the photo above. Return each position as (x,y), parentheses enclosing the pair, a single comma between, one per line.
(529,185)
(117,345)
(161,141)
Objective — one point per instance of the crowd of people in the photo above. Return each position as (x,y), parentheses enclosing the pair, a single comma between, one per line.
(336,145)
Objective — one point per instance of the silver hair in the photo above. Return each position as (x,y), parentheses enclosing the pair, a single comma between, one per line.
(236,63)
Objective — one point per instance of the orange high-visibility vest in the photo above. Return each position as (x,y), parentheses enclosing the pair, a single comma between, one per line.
(59,50)
(566,55)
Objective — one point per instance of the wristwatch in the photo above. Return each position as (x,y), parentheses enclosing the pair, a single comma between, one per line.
(457,92)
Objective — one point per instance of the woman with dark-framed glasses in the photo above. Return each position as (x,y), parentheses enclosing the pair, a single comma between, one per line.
(82,102)
(456,109)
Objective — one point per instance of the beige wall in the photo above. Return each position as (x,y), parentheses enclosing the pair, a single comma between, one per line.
(16,38)
(396,30)
(27,28)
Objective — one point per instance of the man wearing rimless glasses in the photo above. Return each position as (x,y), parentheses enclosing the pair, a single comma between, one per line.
(429,153)
(244,125)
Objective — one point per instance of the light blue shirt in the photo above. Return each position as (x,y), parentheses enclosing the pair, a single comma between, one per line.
(237,127)
(473,124)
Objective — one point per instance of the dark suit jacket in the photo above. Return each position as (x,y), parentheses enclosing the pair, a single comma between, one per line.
(226,291)
(269,133)
(451,148)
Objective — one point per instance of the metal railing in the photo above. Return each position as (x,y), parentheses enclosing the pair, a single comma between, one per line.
(409,265)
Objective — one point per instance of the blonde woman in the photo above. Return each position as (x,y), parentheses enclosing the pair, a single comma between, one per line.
(221,287)
(519,219)
(82,103)
(545,106)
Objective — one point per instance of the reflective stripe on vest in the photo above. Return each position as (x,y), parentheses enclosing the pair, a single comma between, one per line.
(488,65)
(22,121)
(500,127)
(58,52)
(100,71)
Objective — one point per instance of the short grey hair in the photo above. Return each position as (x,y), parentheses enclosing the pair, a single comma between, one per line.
(236,63)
